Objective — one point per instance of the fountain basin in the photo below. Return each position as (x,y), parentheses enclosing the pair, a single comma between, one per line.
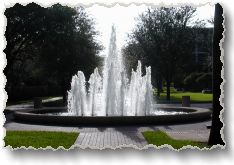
(40,116)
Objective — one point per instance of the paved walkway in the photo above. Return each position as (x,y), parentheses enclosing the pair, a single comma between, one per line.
(115,137)
(112,137)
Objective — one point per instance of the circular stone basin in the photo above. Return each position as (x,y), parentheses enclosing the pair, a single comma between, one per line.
(53,116)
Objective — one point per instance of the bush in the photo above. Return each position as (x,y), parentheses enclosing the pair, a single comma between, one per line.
(29,92)
(190,82)
(198,81)
(206,91)
(205,81)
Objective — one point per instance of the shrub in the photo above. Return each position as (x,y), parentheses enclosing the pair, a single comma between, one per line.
(198,81)
(205,81)
(29,92)
(191,83)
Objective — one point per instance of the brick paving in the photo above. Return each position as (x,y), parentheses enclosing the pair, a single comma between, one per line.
(110,138)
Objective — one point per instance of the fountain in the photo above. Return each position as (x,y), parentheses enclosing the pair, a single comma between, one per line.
(112,99)
(114,94)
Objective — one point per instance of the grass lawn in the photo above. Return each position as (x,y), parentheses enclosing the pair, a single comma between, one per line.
(159,138)
(39,139)
(176,97)
(8,103)
(56,103)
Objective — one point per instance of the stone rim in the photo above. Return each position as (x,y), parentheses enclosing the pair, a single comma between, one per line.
(37,116)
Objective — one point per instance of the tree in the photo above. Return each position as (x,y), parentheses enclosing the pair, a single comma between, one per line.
(162,34)
(23,34)
(69,44)
(49,44)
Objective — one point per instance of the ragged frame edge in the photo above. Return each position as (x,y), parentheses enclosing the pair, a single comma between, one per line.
(154,4)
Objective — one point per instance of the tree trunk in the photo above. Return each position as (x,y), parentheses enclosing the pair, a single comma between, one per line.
(159,87)
(158,91)
(168,89)
(64,90)
(215,136)
(64,96)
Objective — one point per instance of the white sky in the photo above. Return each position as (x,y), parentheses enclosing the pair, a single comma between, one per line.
(124,20)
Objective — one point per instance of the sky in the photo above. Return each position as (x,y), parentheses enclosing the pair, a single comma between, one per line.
(124,19)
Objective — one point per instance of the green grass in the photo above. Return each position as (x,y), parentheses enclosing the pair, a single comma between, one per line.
(176,96)
(39,139)
(160,138)
(56,103)
(8,103)
(194,97)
